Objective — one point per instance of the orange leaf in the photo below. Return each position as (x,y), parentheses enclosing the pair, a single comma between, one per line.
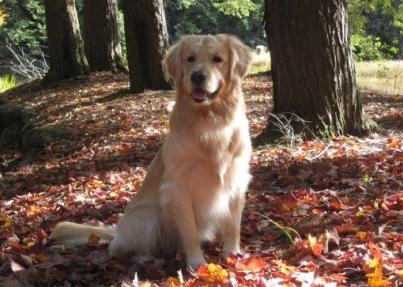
(93,239)
(97,183)
(346,228)
(212,273)
(335,203)
(171,282)
(400,274)
(375,252)
(317,248)
(230,260)
(5,221)
(32,210)
(393,142)
(375,278)
(254,265)
(362,235)
(287,202)
(284,268)
(41,257)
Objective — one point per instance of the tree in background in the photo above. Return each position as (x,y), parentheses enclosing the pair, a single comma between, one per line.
(312,66)
(147,41)
(376,25)
(101,35)
(66,49)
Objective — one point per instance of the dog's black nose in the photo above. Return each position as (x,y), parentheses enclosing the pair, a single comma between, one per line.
(198,77)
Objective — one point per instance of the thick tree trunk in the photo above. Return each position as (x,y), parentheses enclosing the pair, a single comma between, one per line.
(312,66)
(147,41)
(101,35)
(67,57)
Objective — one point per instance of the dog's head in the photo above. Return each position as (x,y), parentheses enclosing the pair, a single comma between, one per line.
(204,66)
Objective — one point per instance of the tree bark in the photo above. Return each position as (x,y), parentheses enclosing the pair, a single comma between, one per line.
(312,65)
(101,35)
(147,42)
(67,57)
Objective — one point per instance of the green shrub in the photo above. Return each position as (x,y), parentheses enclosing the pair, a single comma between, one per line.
(25,27)
(7,82)
(366,48)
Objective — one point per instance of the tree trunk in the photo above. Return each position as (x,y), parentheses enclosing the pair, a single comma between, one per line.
(101,35)
(312,66)
(147,41)
(67,57)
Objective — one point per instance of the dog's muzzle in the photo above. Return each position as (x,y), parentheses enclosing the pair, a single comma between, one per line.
(200,95)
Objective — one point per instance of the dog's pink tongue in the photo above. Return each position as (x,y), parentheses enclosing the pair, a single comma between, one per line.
(199,94)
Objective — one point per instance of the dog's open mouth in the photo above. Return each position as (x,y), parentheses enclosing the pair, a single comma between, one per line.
(200,95)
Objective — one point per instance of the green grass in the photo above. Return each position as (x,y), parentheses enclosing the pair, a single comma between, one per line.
(7,82)
(259,68)
(383,77)
(261,63)
(380,76)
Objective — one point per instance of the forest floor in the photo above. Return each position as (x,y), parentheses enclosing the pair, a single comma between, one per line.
(318,213)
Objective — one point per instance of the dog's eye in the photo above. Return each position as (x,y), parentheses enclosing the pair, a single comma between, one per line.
(217,59)
(191,59)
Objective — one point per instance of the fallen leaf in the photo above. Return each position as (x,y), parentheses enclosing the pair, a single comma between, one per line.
(212,273)
(317,248)
(253,265)
(393,142)
(171,282)
(284,268)
(93,239)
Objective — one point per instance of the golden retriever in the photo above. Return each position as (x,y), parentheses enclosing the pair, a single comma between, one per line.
(195,187)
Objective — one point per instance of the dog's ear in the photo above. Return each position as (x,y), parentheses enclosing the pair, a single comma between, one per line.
(173,63)
(240,56)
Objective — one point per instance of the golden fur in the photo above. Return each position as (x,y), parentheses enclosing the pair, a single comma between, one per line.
(196,184)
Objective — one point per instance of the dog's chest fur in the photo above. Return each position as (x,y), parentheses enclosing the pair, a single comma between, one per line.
(211,147)
(211,164)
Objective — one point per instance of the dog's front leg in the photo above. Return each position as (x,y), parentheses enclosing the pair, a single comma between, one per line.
(232,228)
(185,222)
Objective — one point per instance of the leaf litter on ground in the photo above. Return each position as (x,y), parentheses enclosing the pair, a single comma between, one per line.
(326,213)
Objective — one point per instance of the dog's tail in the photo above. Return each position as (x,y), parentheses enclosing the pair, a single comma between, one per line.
(73,234)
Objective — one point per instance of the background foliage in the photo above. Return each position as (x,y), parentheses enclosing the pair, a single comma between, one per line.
(25,26)
(376,25)
(240,17)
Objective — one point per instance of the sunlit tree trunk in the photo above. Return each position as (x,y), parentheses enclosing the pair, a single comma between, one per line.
(67,57)
(312,65)
(147,41)
(101,35)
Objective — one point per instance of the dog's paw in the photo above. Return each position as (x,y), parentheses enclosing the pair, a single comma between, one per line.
(194,263)
(227,252)
(119,248)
